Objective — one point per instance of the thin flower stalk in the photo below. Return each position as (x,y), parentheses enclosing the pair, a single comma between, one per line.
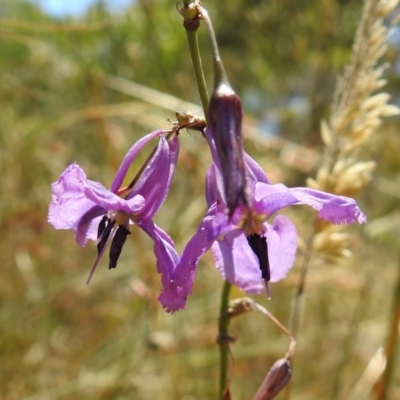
(191,23)
(280,373)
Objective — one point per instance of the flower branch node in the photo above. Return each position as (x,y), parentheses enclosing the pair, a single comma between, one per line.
(191,15)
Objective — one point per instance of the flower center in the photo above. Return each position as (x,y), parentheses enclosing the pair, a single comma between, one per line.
(106,227)
(120,217)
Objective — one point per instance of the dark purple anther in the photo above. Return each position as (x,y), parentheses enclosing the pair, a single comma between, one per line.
(116,245)
(260,248)
(103,232)
(102,226)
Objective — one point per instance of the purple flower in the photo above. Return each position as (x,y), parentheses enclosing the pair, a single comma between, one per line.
(248,251)
(96,213)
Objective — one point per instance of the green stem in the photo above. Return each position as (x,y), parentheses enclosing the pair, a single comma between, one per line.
(223,336)
(223,339)
(198,70)
(219,70)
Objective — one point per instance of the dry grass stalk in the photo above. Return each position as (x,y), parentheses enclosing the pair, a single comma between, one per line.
(357,113)
(370,376)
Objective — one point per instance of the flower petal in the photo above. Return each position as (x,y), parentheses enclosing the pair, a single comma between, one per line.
(71,209)
(237,262)
(282,246)
(239,265)
(167,258)
(255,172)
(337,209)
(164,250)
(179,286)
(101,196)
(214,224)
(77,203)
(130,156)
(214,186)
(155,180)
(211,143)
(214,180)
(88,224)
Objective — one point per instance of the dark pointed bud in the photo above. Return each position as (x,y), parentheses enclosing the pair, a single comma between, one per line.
(116,245)
(277,378)
(225,119)
(260,248)
(103,232)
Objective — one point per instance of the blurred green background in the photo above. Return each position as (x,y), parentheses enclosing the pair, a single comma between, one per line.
(61,339)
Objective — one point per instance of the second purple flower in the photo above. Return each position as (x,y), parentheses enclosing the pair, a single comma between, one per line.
(250,252)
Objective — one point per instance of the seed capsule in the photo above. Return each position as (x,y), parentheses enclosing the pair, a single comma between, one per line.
(276,379)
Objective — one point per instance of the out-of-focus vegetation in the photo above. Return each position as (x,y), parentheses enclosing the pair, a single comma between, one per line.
(60,339)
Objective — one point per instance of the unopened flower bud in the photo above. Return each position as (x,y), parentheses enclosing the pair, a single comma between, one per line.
(225,118)
(277,378)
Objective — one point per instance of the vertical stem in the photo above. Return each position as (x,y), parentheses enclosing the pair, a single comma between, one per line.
(198,70)
(223,336)
(223,339)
